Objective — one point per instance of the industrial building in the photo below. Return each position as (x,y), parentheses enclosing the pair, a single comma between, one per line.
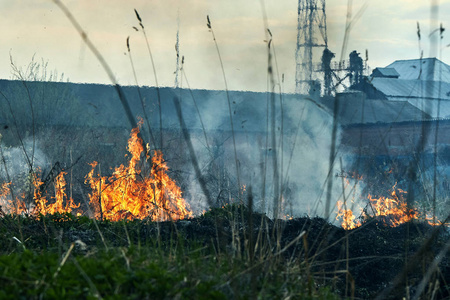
(423,83)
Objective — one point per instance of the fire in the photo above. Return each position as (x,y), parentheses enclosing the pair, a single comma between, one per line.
(4,192)
(39,205)
(287,217)
(349,220)
(130,194)
(127,194)
(9,206)
(43,207)
(392,211)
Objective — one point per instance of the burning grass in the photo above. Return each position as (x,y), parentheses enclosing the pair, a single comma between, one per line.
(142,231)
(391,211)
(41,204)
(129,193)
(144,242)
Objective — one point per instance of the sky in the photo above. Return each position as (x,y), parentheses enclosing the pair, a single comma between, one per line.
(39,29)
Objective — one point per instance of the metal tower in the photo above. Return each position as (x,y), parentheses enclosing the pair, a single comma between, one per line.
(311,34)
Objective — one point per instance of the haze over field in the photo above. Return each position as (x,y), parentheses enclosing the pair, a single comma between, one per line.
(387,29)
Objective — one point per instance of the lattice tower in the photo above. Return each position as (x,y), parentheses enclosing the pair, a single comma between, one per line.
(311,35)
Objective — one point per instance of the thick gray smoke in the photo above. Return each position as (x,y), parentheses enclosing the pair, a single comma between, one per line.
(303,136)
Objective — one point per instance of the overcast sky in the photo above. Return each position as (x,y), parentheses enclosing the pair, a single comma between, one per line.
(387,29)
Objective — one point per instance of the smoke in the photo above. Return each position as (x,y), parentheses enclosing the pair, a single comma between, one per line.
(303,134)
(15,166)
(303,151)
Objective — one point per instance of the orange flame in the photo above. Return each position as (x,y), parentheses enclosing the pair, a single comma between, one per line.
(40,205)
(394,211)
(44,208)
(349,220)
(6,203)
(391,211)
(128,194)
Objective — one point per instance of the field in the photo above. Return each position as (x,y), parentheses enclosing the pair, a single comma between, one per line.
(227,253)
(219,194)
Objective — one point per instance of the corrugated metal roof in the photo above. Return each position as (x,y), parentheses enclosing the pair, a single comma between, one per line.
(424,69)
(385,72)
(430,106)
(354,108)
(393,88)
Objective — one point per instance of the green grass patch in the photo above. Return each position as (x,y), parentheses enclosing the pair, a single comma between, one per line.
(67,257)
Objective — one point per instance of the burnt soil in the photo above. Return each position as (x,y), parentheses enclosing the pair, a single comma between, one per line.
(370,261)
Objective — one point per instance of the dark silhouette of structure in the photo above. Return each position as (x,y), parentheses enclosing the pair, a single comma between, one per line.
(311,34)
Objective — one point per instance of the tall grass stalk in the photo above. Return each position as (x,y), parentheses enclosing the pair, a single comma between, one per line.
(332,157)
(350,22)
(183,75)
(266,152)
(235,241)
(276,177)
(177,50)
(30,101)
(277,197)
(13,115)
(193,156)
(280,92)
(144,110)
(418,257)
(209,25)
(436,130)
(433,267)
(347,246)
(155,75)
(95,223)
(103,63)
